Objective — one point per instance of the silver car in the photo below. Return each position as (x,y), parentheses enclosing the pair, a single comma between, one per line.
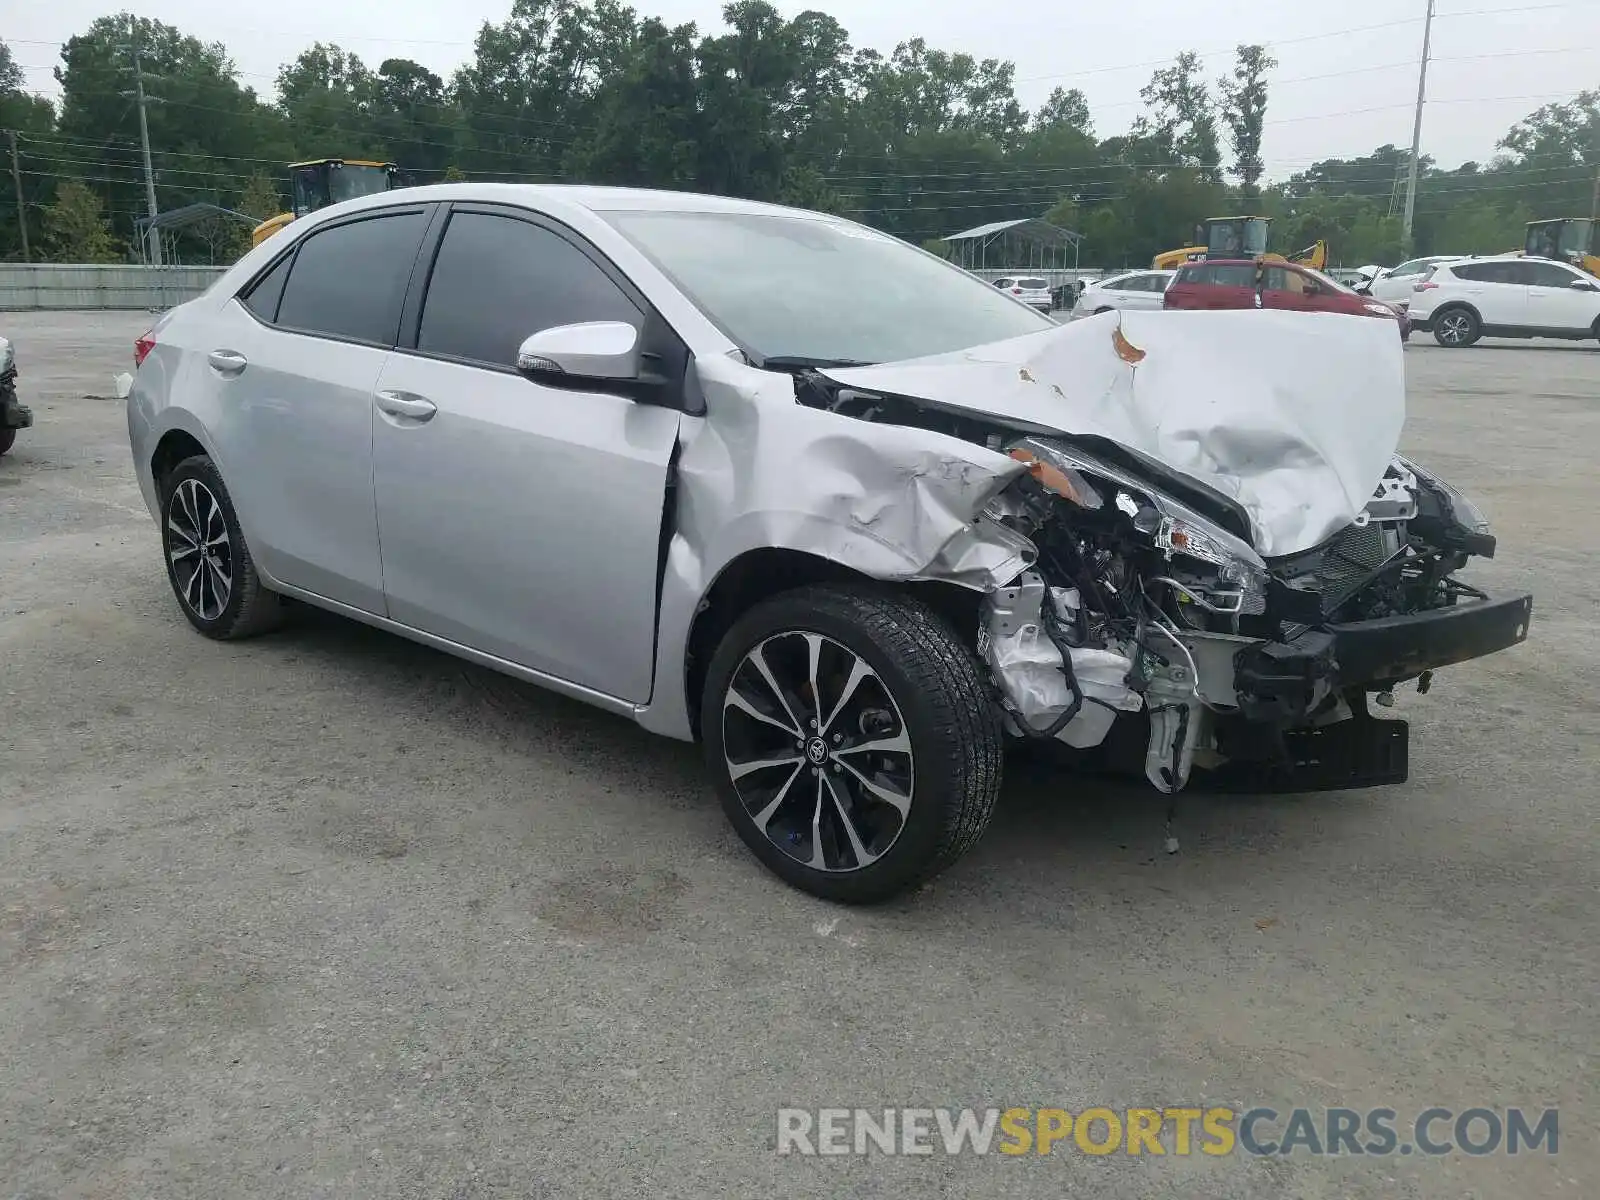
(790,486)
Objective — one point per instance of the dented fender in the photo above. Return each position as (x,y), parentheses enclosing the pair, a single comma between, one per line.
(761,471)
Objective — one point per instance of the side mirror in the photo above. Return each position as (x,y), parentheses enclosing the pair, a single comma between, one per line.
(1311,288)
(590,350)
(1583,285)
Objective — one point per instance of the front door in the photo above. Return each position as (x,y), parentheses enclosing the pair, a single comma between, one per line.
(520,519)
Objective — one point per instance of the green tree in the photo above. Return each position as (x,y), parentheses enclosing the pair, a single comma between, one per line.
(75,229)
(31,117)
(1182,122)
(1244,112)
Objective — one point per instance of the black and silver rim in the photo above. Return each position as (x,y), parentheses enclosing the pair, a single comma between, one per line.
(1455,327)
(199,549)
(818,751)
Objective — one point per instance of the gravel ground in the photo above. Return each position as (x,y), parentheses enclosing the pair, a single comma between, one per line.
(329,914)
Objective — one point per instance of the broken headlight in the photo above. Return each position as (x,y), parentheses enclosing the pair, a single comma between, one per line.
(1236,581)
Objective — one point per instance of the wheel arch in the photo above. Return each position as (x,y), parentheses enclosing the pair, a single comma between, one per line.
(1464,305)
(763,572)
(172,448)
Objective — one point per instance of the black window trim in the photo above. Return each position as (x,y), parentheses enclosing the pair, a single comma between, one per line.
(422,279)
(430,214)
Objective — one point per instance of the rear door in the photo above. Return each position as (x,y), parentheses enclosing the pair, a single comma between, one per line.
(1560,298)
(517,518)
(293,366)
(1285,288)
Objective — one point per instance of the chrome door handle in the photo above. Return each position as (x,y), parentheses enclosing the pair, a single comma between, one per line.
(228,362)
(400,404)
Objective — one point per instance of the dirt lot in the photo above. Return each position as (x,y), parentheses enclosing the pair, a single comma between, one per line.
(328,914)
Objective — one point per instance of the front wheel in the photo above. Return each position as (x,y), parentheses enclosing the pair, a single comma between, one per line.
(8,438)
(854,745)
(1455,328)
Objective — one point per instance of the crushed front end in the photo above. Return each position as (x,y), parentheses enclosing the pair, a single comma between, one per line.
(1148,612)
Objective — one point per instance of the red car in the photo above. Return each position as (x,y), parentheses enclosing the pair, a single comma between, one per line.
(1267,283)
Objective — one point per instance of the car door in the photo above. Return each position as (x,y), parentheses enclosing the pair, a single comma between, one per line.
(1143,291)
(1283,288)
(295,361)
(519,518)
(1497,288)
(1560,298)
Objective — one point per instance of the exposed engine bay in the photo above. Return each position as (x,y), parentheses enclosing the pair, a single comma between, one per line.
(1147,607)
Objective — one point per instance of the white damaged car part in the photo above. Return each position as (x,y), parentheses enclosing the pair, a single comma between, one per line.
(1224,546)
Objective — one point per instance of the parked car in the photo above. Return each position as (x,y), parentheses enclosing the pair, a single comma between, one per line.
(730,470)
(1131,289)
(14,415)
(1030,289)
(1247,283)
(1512,296)
(1393,286)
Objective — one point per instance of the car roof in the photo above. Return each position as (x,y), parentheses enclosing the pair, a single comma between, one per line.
(595,198)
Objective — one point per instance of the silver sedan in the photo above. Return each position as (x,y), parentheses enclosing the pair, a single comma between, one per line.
(793,487)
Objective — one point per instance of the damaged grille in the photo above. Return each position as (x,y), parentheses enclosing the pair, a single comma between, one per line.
(1358,551)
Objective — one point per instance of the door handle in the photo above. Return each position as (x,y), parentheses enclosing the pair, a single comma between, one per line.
(227,362)
(401,404)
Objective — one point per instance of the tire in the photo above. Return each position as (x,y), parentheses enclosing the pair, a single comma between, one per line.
(921,690)
(228,601)
(8,438)
(1456,328)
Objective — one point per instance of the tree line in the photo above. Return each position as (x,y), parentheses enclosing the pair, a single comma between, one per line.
(920,142)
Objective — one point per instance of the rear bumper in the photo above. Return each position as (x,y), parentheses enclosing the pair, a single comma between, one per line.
(1422,323)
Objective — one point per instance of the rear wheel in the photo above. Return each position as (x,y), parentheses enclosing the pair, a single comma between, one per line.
(8,438)
(208,563)
(855,748)
(1456,327)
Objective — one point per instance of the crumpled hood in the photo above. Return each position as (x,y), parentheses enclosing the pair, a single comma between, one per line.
(1293,415)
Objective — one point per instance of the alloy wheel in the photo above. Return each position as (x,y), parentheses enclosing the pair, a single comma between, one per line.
(1455,327)
(817,751)
(199,549)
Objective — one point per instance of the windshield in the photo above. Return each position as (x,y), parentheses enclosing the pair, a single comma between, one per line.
(1031,283)
(347,182)
(1328,282)
(805,287)
(1575,238)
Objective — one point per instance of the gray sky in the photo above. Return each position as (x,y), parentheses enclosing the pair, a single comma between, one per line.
(1346,81)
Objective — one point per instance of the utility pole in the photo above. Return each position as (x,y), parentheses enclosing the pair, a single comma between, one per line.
(154,235)
(1416,127)
(22,208)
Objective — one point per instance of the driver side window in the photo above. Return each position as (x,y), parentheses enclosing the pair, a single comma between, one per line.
(498,279)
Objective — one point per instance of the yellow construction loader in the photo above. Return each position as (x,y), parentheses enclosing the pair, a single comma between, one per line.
(1237,237)
(324,181)
(1568,239)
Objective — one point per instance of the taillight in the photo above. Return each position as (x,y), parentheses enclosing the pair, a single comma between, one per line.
(1423,287)
(142,348)
(1016,291)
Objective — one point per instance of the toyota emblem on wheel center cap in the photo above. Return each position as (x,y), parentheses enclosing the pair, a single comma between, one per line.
(817,751)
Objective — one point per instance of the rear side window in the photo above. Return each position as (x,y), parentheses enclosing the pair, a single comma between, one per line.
(498,279)
(1488,272)
(262,296)
(349,281)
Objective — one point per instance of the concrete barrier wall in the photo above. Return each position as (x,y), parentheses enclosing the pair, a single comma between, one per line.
(55,285)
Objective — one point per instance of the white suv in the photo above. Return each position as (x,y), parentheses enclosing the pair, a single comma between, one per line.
(1131,289)
(1030,289)
(1505,297)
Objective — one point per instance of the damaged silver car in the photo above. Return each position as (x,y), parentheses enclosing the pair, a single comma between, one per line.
(848,515)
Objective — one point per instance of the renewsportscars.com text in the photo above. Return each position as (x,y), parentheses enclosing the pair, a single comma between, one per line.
(1178,1131)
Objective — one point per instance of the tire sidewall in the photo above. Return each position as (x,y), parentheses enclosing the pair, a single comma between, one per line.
(205,472)
(932,785)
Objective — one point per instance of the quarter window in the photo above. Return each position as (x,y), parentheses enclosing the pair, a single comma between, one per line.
(349,281)
(262,296)
(499,279)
